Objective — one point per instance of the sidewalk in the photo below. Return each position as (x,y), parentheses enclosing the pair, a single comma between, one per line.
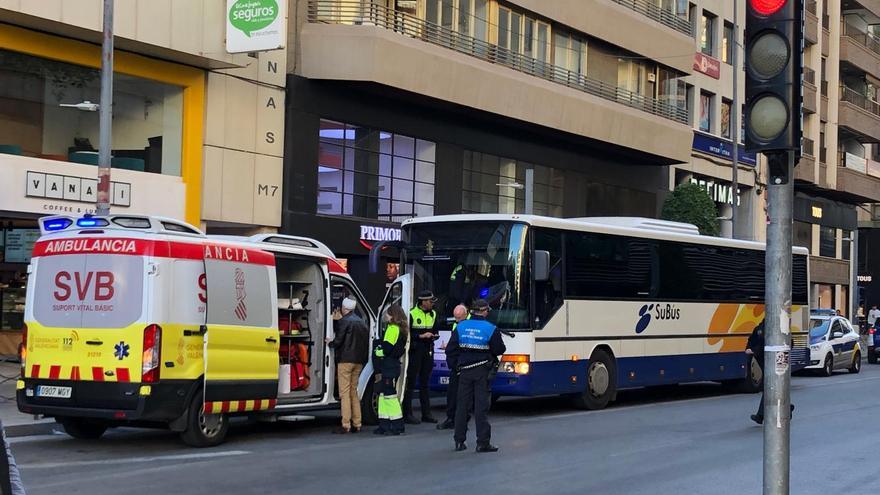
(15,423)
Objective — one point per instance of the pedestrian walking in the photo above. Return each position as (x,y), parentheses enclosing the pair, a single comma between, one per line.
(422,320)
(460,313)
(873,315)
(477,343)
(755,347)
(352,346)
(388,351)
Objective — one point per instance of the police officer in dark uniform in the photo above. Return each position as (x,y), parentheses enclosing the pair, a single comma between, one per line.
(422,320)
(755,347)
(477,343)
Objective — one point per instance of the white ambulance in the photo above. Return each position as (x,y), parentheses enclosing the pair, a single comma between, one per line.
(136,320)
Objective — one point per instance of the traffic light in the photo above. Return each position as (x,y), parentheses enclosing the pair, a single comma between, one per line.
(774,61)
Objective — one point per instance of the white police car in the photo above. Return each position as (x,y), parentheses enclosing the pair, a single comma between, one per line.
(834,345)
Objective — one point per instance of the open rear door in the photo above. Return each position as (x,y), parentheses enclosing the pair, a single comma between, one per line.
(241,342)
(400,293)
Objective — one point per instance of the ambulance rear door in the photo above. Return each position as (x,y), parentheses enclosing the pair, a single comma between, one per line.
(241,342)
(400,292)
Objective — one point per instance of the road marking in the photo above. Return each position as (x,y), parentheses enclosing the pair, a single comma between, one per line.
(132,460)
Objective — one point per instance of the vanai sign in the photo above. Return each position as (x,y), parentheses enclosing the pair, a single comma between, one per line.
(255,25)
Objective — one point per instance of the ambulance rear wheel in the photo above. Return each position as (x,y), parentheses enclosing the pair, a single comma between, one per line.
(370,404)
(84,429)
(204,430)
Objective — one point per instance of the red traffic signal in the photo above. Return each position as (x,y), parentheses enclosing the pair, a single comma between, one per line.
(767,7)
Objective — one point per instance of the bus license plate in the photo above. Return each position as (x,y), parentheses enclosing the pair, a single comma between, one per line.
(444,380)
(53,391)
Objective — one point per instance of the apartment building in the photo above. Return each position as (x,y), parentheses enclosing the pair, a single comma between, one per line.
(406,108)
(197,131)
(839,173)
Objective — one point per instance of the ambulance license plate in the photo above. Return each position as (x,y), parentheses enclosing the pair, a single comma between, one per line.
(53,391)
(444,380)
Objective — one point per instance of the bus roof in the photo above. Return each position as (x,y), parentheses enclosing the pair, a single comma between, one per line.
(629,226)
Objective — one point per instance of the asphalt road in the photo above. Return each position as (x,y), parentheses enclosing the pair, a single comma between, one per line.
(690,439)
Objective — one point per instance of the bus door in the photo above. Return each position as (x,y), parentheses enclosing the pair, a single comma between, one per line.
(241,342)
(400,293)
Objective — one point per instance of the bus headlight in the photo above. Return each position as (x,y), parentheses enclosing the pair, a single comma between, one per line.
(515,363)
(815,347)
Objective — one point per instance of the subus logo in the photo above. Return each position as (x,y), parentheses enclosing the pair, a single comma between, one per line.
(660,312)
(240,295)
(644,318)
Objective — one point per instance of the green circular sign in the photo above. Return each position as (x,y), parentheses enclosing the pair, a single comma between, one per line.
(252,15)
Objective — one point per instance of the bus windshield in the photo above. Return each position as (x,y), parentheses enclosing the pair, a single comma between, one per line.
(461,262)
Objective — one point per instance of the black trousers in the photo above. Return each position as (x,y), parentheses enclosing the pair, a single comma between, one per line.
(473,388)
(760,412)
(451,395)
(421,363)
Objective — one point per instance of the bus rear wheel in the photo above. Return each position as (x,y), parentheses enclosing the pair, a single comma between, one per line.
(601,382)
(754,380)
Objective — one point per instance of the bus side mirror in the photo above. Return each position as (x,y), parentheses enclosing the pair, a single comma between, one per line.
(542,266)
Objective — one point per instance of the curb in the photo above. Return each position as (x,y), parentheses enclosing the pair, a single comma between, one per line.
(31,429)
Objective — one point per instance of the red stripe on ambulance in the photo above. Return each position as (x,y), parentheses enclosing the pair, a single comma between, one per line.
(74,373)
(242,405)
(158,248)
(35,371)
(54,372)
(97,373)
(122,375)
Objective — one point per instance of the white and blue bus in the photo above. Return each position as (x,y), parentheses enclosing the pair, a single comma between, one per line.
(596,305)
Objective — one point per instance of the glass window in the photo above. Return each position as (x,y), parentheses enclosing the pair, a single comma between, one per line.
(707,34)
(845,244)
(726,118)
(827,241)
(706,102)
(606,266)
(147,115)
(727,44)
(548,294)
(370,173)
(481,193)
(802,235)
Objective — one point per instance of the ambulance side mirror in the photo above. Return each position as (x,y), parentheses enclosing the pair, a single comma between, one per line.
(541,266)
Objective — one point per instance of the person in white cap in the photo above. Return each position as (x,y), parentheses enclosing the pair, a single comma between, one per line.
(352,346)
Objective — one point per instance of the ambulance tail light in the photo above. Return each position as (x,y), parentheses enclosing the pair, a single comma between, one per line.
(22,348)
(515,363)
(152,354)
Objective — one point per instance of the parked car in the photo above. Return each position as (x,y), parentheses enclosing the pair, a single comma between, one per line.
(834,344)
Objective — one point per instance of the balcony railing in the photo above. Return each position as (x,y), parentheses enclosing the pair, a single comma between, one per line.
(809,76)
(862,101)
(807,147)
(355,12)
(854,162)
(863,38)
(653,11)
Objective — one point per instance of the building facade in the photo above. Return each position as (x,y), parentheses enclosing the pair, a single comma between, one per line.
(410,108)
(197,132)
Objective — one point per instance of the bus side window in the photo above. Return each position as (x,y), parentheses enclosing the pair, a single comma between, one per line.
(548,294)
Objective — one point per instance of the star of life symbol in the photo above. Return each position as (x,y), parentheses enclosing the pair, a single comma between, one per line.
(121,350)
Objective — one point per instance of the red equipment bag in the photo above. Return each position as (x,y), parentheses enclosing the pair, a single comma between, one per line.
(299,367)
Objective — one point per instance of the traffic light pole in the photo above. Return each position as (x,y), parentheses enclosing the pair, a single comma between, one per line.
(777,339)
(105,120)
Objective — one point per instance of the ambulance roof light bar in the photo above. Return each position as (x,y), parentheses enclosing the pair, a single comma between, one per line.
(60,223)
(293,240)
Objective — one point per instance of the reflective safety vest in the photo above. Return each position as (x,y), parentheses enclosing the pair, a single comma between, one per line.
(421,319)
(455,325)
(475,334)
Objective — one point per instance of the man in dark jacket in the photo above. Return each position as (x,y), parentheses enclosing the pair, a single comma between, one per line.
(477,343)
(352,346)
(755,347)
(460,313)
(423,333)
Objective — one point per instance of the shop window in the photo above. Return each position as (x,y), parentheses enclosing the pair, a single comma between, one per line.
(369,173)
(827,242)
(147,115)
(727,44)
(481,193)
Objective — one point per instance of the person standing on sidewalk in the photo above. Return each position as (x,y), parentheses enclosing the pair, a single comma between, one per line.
(460,313)
(479,344)
(352,346)
(422,320)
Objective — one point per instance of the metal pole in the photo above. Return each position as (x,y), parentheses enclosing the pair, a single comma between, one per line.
(734,112)
(530,190)
(854,279)
(777,373)
(105,122)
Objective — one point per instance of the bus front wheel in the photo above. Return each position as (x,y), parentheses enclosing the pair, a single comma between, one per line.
(601,382)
